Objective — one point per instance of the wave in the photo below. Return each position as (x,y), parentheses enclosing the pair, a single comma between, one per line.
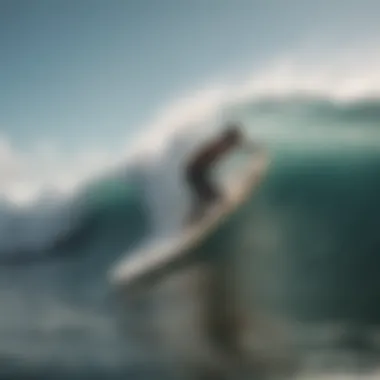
(316,108)
(54,219)
(46,229)
(315,217)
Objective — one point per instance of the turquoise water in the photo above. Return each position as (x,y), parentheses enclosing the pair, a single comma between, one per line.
(306,245)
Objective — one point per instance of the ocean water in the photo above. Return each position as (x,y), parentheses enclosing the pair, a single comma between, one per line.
(307,243)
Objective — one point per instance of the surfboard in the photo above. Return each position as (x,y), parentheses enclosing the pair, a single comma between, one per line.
(155,259)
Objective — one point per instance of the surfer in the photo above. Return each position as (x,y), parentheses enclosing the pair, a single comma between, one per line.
(199,167)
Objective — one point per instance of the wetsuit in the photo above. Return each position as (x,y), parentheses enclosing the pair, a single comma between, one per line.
(198,171)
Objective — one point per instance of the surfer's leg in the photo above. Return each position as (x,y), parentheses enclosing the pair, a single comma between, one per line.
(202,192)
(206,189)
(199,181)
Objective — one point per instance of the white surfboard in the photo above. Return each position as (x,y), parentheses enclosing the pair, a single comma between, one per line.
(143,264)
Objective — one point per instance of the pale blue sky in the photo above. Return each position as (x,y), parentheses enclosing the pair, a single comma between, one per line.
(92,70)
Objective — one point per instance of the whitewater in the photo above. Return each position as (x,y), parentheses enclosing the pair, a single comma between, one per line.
(65,221)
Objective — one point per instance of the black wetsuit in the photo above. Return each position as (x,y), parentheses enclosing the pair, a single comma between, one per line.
(198,171)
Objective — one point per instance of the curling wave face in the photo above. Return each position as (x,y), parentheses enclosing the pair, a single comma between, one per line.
(313,226)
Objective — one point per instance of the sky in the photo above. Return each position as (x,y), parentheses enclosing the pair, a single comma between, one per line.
(95,71)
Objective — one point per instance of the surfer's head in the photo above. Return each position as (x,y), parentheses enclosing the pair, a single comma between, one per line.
(232,134)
